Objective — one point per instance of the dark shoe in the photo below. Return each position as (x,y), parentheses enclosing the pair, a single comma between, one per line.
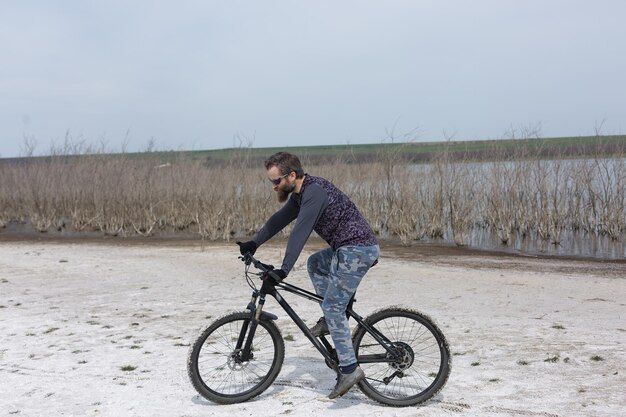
(346,381)
(320,328)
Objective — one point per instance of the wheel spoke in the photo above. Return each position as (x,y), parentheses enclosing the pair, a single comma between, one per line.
(423,367)
(216,368)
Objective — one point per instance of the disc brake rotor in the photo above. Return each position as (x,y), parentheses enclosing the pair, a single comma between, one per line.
(235,362)
(405,355)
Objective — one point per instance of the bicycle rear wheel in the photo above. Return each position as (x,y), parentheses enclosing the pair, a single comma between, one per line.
(423,366)
(216,368)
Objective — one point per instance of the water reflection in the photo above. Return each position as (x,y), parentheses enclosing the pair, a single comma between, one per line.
(573,243)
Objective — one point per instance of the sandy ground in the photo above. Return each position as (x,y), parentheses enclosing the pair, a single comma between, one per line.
(529,337)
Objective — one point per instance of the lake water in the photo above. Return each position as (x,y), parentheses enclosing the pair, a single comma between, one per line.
(572,243)
(606,178)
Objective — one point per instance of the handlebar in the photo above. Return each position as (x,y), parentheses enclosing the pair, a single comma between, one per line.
(266,269)
(249,259)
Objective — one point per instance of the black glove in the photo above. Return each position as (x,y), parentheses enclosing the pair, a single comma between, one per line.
(275,275)
(247,247)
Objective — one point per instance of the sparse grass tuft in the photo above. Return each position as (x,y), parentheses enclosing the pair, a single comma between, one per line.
(597,358)
(289,338)
(50,330)
(128,368)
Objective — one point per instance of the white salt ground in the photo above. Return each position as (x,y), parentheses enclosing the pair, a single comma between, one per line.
(104,330)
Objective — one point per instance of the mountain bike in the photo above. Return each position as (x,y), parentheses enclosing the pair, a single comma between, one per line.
(405,356)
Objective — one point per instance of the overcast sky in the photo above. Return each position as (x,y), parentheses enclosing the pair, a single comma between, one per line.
(196,75)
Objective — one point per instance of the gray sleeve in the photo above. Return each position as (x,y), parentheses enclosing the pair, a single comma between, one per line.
(314,202)
(277,222)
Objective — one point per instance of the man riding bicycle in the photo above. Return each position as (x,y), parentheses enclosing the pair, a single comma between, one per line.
(336,272)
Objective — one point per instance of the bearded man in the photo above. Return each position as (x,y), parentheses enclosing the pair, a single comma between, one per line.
(317,205)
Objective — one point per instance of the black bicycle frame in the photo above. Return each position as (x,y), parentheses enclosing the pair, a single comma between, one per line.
(321,344)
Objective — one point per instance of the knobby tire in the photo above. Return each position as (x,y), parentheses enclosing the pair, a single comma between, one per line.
(426,365)
(215,367)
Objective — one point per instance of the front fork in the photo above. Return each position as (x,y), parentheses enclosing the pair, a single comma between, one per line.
(244,344)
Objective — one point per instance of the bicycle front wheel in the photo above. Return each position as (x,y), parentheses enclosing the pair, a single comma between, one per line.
(421,364)
(216,367)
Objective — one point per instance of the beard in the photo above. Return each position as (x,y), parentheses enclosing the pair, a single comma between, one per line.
(283,193)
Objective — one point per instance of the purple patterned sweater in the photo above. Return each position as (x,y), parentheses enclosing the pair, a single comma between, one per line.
(319,207)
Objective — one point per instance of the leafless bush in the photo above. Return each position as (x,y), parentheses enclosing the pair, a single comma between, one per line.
(123,195)
(458,187)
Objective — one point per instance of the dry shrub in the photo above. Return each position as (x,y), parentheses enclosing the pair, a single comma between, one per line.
(123,195)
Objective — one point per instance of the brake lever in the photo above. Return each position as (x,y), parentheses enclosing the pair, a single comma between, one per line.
(247,258)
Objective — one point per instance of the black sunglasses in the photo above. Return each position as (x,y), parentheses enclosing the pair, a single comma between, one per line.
(278,180)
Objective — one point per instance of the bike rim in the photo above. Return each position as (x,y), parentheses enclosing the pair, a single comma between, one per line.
(421,364)
(219,364)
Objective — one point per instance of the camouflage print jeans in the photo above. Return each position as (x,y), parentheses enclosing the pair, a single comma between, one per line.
(336,276)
